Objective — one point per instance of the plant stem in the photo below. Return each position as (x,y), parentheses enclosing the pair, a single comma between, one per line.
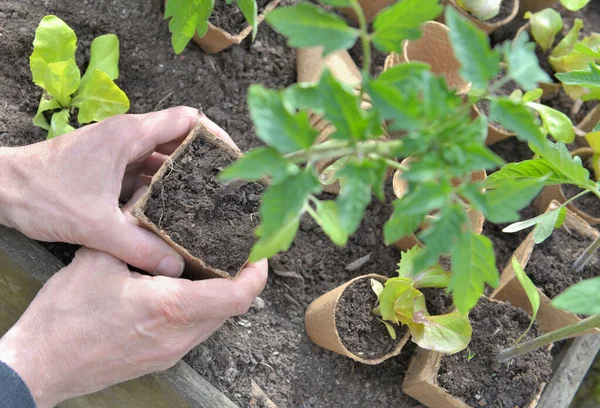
(365,41)
(556,335)
(586,255)
(336,148)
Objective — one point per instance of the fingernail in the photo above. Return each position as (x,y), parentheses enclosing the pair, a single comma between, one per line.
(170,266)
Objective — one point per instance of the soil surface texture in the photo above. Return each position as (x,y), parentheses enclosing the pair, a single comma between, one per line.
(230,18)
(550,264)
(484,382)
(198,211)
(360,331)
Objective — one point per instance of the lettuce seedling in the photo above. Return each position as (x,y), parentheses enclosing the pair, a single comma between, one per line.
(401,303)
(54,69)
(190,17)
(481,9)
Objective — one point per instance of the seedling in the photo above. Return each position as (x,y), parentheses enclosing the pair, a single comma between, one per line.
(54,69)
(470,355)
(401,303)
(483,10)
(190,17)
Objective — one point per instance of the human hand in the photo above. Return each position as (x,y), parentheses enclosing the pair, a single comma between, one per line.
(95,324)
(67,189)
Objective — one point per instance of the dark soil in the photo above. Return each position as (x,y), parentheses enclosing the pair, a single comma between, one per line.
(550,264)
(230,18)
(482,381)
(199,213)
(360,331)
(438,302)
(511,150)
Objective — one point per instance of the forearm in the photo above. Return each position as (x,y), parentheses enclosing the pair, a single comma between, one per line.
(13,182)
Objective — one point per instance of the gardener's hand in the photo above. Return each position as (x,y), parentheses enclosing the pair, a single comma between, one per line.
(95,324)
(67,189)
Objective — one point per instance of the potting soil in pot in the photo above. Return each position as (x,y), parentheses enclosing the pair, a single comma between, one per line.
(230,18)
(484,382)
(199,213)
(550,264)
(361,332)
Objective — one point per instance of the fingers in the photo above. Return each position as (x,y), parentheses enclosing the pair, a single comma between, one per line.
(140,248)
(147,167)
(217,298)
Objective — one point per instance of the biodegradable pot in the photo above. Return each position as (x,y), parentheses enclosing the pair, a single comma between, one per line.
(197,268)
(400,187)
(435,49)
(321,325)
(487,27)
(510,289)
(216,39)
(556,192)
(535,5)
(369,7)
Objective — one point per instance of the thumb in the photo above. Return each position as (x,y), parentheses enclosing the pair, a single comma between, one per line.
(141,248)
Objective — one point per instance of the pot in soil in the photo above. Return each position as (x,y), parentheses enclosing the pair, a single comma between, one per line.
(369,7)
(549,266)
(400,187)
(197,214)
(508,11)
(342,321)
(587,207)
(435,49)
(228,32)
(473,378)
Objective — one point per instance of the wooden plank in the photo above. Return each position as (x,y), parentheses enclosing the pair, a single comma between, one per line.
(570,372)
(24,267)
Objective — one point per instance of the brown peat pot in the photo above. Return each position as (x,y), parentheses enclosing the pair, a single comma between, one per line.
(487,26)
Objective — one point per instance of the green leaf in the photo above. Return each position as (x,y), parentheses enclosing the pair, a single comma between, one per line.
(327,216)
(479,63)
(473,265)
(545,228)
(574,5)
(249,9)
(258,163)
(559,158)
(401,22)
(377,287)
(532,95)
(354,197)
(545,25)
(331,173)
(448,334)
(337,3)
(275,124)
(566,44)
(521,225)
(99,98)
(306,25)
(572,59)
(516,118)
(581,298)
(587,78)
(389,328)
(188,17)
(59,124)
(482,10)
(523,64)
(282,206)
(433,277)
(104,55)
(556,123)
(46,104)
(61,80)
(54,42)
(502,204)
(531,291)
(527,170)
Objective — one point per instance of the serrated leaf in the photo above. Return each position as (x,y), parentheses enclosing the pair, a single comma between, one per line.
(433,277)
(556,123)
(545,24)
(61,80)
(280,211)
(581,298)
(587,78)
(104,56)
(401,22)
(354,197)
(306,25)
(545,227)
(45,105)
(503,203)
(574,5)
(249,9)
(531,291)
(473,265)
(258,163)
(559,158)
(99,98)
(276,125)
(516,118)
(479,63)
(54,42)
(448,334)
(188,17)
(523,65)
(59,124)
(534,169)
(327,216)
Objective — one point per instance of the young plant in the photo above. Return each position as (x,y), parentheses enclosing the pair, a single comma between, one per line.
(54,69)
(437,129)
(482,9)
(401,303)
(190,17)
